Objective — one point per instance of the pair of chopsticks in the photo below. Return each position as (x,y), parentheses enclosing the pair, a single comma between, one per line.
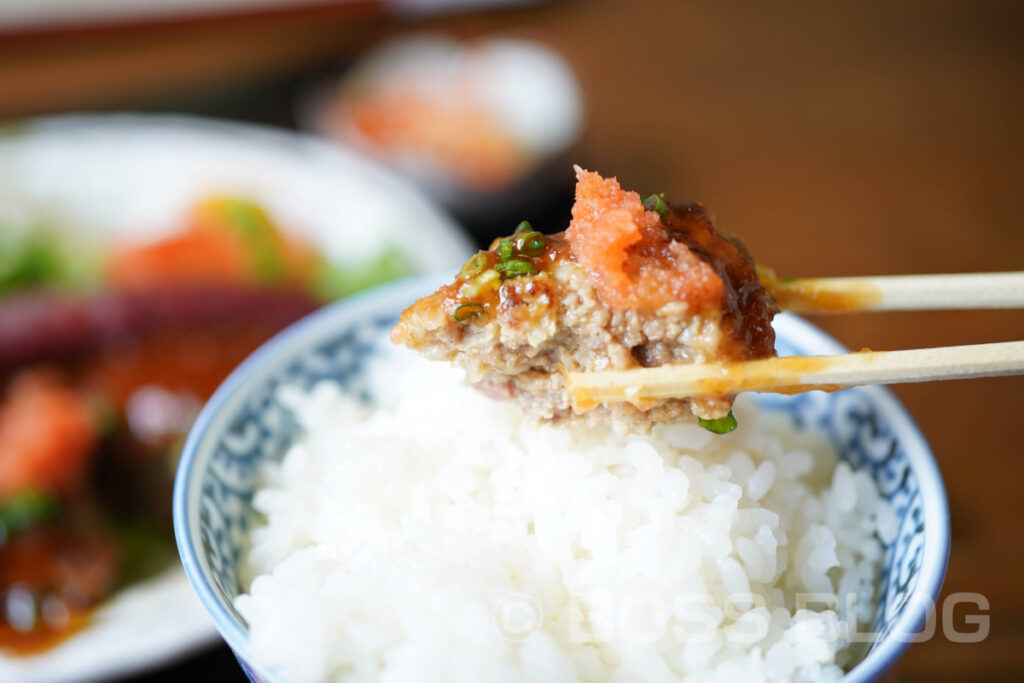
(805,373)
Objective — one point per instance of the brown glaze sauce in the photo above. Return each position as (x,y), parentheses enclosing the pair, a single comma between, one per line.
(809,296)
(747,308)
(192,360)
(489,289)
(64,568)
(36,641)
(738,377)
(50,579)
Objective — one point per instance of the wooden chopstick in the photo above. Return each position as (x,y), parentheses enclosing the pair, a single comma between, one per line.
(794,374)
(896,292)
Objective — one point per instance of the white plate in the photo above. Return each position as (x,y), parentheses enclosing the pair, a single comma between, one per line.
(134,177)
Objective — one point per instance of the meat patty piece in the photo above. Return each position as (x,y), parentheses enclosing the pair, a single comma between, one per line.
(631,283)
(37,326)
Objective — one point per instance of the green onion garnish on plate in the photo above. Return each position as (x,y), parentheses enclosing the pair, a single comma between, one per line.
(24,510)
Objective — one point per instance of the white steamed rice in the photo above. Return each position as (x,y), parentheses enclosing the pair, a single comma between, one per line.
(439,537)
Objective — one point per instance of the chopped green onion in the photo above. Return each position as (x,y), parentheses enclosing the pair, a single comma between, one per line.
(722,425)
(249,221)
(531,243)
(514,267)
(40,255)
(334,280)
(145,549)
(470,309)
(107,416)
(473,266)
(655,202)
(31,261)
(505,249)
(524,227)
(25,509)
(477,284)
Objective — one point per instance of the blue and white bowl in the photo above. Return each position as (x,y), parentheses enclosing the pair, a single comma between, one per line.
(243,425)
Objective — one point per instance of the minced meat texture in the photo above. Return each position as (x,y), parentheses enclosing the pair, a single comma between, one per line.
(622,287)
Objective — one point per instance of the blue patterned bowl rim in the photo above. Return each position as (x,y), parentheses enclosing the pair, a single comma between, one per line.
(392,298)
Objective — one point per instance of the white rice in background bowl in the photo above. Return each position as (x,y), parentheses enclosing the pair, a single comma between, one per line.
(438,536)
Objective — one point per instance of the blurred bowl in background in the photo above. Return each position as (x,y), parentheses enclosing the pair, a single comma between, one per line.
(485,126)
(114,179)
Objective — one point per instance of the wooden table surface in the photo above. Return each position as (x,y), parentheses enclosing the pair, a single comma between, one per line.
(838,138)
(844,138)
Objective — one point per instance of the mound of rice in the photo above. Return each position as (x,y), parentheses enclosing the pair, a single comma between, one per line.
(440,537)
